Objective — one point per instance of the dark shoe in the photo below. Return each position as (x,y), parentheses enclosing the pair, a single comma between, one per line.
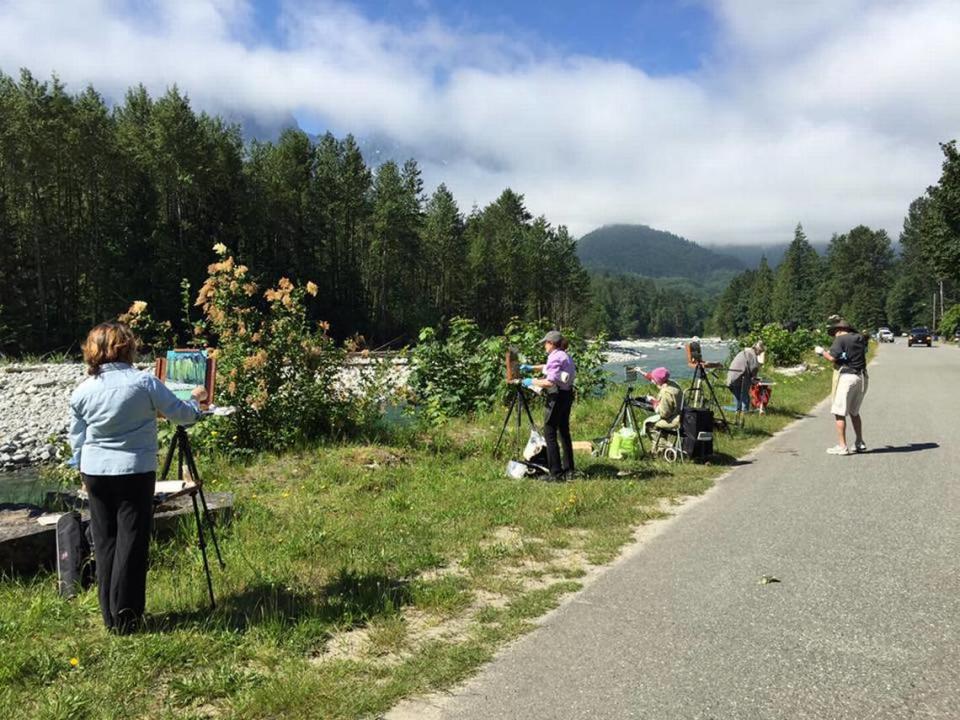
(556,477)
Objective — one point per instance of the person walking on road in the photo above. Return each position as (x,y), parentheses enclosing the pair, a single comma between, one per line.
(849,356)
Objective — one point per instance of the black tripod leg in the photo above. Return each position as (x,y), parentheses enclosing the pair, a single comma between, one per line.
(716,402)
(195,474)
(203,549)
(506,422)
(633,424)
(174,442)
(526,408)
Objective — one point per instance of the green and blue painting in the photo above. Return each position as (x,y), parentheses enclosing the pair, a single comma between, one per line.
(185,370)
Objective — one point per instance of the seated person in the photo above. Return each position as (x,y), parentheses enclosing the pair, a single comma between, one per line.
(666,404)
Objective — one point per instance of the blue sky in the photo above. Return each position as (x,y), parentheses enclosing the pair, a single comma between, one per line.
(725,121)
(658,36)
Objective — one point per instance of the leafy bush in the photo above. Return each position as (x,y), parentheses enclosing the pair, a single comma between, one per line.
(153,335)
(950,321)
(463,371)
(279,370)
(783,346)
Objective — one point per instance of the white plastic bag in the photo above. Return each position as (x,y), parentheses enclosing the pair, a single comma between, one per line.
(535,444)
(516,470)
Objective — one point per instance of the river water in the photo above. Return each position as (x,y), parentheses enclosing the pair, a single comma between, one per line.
(24,486)
(661,352)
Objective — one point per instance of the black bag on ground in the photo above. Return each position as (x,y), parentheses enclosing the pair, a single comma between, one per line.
(75,569)
(697,439)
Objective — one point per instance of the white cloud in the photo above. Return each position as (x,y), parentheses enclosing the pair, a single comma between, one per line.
(825,112)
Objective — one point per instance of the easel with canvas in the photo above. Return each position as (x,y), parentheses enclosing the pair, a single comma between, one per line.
(181,371)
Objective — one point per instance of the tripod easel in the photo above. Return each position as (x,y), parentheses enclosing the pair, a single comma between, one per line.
(516,408)
(180,443)
(626,417)
(697,396)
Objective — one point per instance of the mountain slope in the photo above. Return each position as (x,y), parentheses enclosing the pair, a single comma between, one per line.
(653,253)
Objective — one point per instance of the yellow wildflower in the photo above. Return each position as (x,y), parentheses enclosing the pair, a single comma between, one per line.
(312,288)
(220,249)
(138,307)
(74,662)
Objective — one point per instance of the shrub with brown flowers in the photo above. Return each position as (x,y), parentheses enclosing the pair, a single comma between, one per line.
(153,335)
(279,370)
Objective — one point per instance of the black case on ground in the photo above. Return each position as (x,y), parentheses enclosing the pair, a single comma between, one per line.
(697,423)
(75,568)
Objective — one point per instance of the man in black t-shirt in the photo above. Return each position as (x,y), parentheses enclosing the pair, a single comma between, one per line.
(849,356)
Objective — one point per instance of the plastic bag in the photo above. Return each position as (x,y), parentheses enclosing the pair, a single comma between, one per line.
(535,444)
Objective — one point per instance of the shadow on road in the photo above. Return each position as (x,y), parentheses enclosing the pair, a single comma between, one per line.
(912,447)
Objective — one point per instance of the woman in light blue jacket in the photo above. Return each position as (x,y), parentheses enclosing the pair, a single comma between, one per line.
(113,434)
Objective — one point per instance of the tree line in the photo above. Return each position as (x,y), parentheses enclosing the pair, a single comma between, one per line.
(101,205)
(860,276)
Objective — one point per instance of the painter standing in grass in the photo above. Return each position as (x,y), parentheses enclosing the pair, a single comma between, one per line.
(849,356)
(113,434)
(559,373)
(742,374)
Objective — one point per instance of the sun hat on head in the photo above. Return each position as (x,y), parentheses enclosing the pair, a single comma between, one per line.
(836,323)
(553,336)
(658,375)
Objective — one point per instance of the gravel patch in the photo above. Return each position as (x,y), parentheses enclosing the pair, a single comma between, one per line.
(35,403)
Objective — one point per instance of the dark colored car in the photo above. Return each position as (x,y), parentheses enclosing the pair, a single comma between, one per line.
(920,336)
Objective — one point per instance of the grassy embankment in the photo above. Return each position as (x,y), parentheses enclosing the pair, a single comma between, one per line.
(356,575)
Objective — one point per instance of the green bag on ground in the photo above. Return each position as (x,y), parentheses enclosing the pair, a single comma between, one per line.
(624,444)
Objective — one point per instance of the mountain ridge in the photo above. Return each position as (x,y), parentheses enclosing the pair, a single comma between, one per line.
(642,250)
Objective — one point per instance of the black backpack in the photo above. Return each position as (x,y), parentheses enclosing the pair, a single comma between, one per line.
(75,565)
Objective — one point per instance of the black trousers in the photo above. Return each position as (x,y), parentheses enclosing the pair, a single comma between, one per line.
(121,515)
(556,422)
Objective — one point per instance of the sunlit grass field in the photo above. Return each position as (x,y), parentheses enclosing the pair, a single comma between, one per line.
(357,574)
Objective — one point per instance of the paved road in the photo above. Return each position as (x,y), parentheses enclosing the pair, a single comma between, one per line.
(866,620)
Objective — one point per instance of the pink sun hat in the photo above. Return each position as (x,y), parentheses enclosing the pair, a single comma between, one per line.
(658,375)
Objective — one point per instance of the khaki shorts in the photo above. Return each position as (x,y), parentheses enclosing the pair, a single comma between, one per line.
(849,394)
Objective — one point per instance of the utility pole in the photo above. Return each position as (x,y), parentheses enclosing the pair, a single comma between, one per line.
(933,328)
(941,300)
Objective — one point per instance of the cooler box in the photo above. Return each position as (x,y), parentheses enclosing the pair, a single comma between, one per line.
(697,439)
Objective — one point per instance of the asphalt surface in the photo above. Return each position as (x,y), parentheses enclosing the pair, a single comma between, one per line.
(864,623)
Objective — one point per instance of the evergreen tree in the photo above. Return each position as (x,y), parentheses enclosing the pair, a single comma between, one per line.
(794,296)
(444,254)
(759,308)
(859,265)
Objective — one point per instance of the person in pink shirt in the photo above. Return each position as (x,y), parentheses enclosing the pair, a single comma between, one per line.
(559,374)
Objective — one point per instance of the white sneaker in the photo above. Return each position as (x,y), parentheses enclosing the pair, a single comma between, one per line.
(860,446)
(838,450)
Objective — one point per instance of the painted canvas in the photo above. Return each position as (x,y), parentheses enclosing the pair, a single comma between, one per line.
(185,369)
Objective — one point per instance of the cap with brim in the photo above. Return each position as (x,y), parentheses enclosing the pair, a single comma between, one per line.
(552,337)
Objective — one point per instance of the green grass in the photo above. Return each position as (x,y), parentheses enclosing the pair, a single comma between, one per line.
(356,576)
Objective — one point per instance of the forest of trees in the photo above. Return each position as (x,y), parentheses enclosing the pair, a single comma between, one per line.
(624,306)
(860,277)
(101,205)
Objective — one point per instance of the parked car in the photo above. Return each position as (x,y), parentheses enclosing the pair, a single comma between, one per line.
(920,336)
(885,335)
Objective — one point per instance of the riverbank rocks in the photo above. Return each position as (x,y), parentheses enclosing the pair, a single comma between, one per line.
(35,403)
(34,411)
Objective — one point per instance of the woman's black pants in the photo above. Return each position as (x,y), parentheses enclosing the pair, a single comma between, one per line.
(121,514)
(556,422)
